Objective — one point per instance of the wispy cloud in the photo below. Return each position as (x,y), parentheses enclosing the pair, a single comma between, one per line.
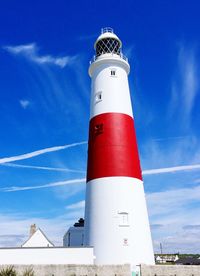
(169,201)
(12,240)
(171,138)
(77,205)
(170,211)
(188,69)
(192,227)
(129,51)
(171,169)
(172,154)
(168,215)
(31,52)
(156,226)
(41,168)
(49,185)
(6,161)
(24,103)
(54,228)
(39,152)
(82,180)
(185,84)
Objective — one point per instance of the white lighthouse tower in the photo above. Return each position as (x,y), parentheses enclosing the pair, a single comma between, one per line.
(116,219)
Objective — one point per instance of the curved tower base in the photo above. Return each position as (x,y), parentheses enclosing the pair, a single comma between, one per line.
(117,221)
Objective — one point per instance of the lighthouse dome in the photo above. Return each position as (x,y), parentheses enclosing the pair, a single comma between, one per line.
(107,42)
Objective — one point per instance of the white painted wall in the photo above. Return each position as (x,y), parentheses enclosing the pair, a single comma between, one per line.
(116,221)
(114,89)
(51,255)
(109,200)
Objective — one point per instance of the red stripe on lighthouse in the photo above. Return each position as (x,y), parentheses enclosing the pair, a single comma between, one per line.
(112,147)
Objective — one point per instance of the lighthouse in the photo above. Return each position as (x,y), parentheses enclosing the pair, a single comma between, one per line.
(116,218)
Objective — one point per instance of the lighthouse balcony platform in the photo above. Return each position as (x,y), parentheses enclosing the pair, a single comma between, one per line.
(109,55)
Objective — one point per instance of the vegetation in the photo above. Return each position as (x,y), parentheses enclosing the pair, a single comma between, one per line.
(28,272)
(8,271)
(189,256)
(179,255)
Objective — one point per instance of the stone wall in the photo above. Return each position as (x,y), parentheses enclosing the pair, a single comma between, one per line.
(74,270)
(170,270)
(108,270)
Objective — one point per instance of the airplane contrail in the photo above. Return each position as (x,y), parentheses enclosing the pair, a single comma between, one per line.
(52,184)
(38,152)
(13,165)
(83,180)
(171,169)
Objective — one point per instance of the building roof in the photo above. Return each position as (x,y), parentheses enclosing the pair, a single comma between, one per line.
(38,239)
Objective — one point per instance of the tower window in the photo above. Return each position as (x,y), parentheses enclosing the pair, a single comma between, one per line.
(125,242)
(123,219)
(113,72)
(98,129)
(98,97)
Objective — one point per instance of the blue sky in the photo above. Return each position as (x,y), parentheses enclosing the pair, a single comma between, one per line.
(45,48)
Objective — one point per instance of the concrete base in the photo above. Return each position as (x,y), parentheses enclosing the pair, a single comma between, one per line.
(108,270)
(170,270)
(74,270)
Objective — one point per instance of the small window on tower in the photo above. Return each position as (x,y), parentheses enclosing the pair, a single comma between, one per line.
(113,72)
(98,129)
(123,219)
(98,97)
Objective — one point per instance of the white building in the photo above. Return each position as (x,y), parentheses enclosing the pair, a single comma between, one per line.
(38,250)
(37,238)
(74,237)
(166,258)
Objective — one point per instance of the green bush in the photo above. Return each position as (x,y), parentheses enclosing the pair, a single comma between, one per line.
(8,271)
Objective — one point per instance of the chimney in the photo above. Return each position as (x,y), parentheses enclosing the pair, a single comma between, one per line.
(32,230)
